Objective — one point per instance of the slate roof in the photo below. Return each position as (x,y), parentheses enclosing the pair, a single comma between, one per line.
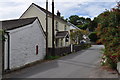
(61,34)
(16,23)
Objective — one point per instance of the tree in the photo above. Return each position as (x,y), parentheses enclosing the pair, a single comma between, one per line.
(93,37)
(73,19)
(85,26)
(92,26)
(77,35)
(83,23)
(88,20)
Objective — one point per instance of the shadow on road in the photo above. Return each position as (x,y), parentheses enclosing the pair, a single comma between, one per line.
(34,70)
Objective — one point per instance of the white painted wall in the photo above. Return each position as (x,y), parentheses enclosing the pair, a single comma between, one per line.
(23,43)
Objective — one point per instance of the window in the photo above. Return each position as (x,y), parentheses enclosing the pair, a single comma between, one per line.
(61,42)
(67,39)
(56,26)
(65,28)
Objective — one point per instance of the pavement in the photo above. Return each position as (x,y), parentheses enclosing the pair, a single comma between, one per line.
(82,64)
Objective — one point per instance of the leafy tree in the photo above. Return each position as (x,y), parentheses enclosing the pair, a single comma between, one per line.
(92,26)
(77,35)
(88,20)
(76,20)
(85,26)
(73,19)
(83,23)
(93,37)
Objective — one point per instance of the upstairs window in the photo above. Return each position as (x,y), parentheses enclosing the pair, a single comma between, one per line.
(56,26)
(65,28)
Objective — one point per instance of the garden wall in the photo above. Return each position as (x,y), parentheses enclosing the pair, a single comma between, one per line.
(60,51)
(66,50)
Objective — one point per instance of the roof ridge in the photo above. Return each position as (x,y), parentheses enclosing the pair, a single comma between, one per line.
(16,23)
(46,11)
(20,19)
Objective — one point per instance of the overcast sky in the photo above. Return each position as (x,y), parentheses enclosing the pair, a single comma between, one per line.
(13,9)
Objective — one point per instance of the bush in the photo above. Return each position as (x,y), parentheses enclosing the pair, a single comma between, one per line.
(93,37)
(109,32)
(2,37)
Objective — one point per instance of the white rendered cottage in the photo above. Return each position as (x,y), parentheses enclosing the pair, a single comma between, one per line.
(24,43)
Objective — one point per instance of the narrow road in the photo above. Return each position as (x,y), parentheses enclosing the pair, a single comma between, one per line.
(77,65)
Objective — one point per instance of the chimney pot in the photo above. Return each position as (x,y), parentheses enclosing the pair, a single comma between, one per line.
(58,13)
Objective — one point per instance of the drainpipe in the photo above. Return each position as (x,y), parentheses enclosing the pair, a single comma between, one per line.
(8,60)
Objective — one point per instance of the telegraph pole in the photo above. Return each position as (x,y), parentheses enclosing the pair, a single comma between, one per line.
(53,37)
(46,28)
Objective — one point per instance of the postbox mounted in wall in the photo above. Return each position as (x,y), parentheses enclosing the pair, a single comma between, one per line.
(36,49)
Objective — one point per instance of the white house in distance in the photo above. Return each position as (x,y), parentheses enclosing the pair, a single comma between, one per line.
(24,43)
(61,27)
(72,26)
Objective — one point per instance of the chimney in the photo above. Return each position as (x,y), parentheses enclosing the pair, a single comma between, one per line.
(58,13)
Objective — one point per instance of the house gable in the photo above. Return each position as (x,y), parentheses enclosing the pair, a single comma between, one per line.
(44,11)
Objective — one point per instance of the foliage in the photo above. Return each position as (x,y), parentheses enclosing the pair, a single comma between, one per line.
(92,25)
(73,19)
(1,32)
(76,20)
(84,46)
(85,26)
(109,31)
(83,23)
(2,38)
(0,35)
(77,35)
(79,26)
(93,37)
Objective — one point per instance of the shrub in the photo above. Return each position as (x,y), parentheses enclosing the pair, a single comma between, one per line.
(77,35)
(93,37)
(109,32)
